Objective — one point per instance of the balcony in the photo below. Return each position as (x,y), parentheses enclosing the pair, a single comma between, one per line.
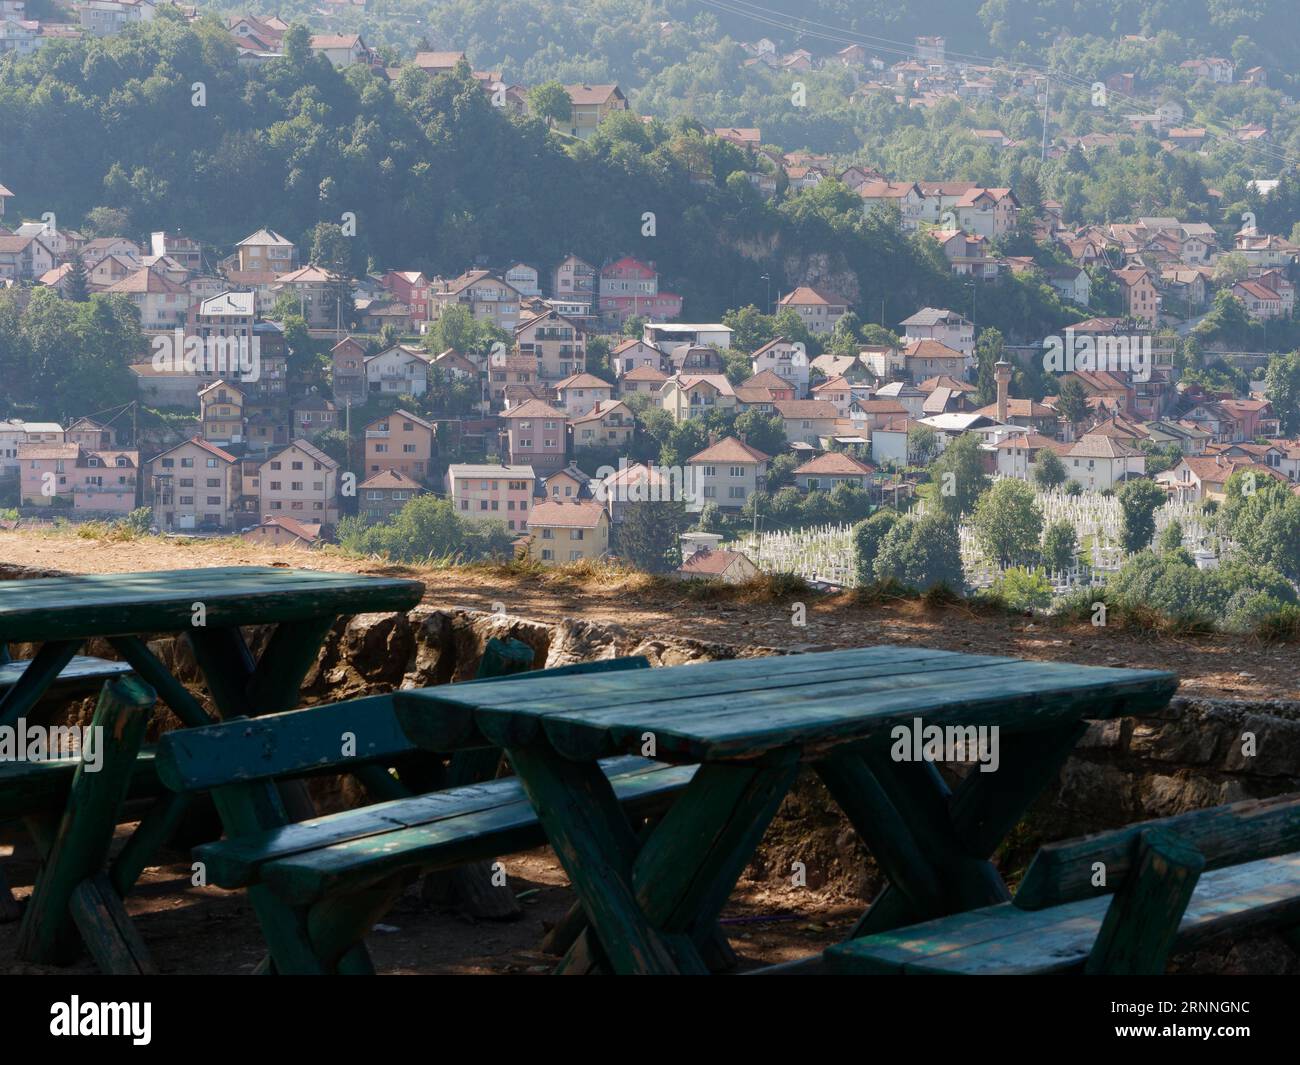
(377,434)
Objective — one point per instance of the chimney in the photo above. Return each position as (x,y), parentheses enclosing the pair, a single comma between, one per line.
(1002,369)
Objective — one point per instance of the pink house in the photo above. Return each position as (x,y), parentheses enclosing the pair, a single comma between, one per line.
(538,435)
(492,493)
(101,482)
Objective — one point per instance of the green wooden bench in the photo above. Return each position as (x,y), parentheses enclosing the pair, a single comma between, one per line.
(83,675)
(24,786)
(1168,885)
(318,886)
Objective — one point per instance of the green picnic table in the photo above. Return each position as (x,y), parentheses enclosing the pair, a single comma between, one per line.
(209,606)
(651,900)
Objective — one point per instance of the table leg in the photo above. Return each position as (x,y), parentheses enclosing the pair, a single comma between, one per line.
(651,908)
(242,685)
(933,845)
(48,932)
(577,808)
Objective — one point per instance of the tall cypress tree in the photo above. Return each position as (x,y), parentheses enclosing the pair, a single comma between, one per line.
(78,287)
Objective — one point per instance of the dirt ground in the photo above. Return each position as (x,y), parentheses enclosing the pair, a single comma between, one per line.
(206,930)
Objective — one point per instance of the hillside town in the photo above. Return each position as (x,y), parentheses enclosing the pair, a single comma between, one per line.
(298,394)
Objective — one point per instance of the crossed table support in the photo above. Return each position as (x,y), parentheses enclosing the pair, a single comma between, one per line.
(653,903)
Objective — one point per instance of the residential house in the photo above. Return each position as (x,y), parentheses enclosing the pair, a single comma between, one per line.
(397,371)
(524,279)
(284,531)
(609,423)
(163,304)
(320,295)
(568,531)
(668,335)
(630,288)
(1099,462)
(24,258)
(929,358)
(193,486)
(221,412)
(787,360)
(513,376)
(905,198)
(695,395)
(949,328)
(537,436)
(400,441)
(716,564)
(557,343)
(348,371)
(1260,300)
(493,493)
(265,252)
(646,380)
(631,353)
(568,483)
(589,105)
(342,50)
(301,481)
(575,279)
(1141,297)
(89,481)
(312,414)
(807,420)
(582,392)
(726,473)
(410,288)
(1198,478)
(381,495)
(487,297)
(833,468)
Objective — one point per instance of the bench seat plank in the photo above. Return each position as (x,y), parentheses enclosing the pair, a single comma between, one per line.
(82,673)
(1007,940)
(472,836)
(41,787)
(240,861)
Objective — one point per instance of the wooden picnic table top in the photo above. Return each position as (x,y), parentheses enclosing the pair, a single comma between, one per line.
(80,606)
(744,708)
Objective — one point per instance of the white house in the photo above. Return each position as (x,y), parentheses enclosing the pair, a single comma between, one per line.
(397,371)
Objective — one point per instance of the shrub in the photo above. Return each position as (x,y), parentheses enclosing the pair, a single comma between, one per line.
(921,553)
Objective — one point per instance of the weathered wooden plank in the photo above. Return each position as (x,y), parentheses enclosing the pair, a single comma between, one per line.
(1005,939)
(304,873)
(86,605)
(106,929)
(47,933)
(437,725)
(80,672)
(42,787)
(1224,835)
(353,732)
(1141,924)
(1029,703)
(538,694)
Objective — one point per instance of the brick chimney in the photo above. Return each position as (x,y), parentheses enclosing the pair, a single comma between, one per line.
(1002,369)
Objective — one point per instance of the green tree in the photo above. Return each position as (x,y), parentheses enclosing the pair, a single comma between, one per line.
(648,537)
(1059,544)
(763,431)
(922,445)
(1008,523)
(78,288)
(958,476)
(922,553)
(1282,387)
(550,102)
(867,537)
(1072,401)
(1171,538)
(1138,501)
(1049,470)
